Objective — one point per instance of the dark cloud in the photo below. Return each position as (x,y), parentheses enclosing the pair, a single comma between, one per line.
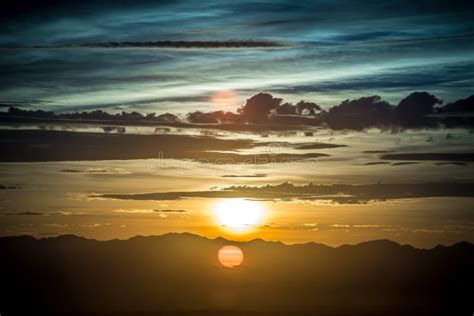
(166,117)
(377,151)
(338,193)
(236,44)
(10,187)
(170,211)
(286,109)
(52,9)
(452,163)
(307,108)
(457,157)
(264,108)
(370,35)
(63,146)
(413,110)
(319,146)
(34,214)
(463,105)
(256,175)
(76,171)
(216,117)
(375,163)
(97,171)
(25,214)
(405,163)
(417,110)
(301,108)
(258,107)
(117,129)
(360,114)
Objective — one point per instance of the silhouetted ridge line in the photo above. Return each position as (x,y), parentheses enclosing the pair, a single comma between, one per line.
(191,236)
(180,273)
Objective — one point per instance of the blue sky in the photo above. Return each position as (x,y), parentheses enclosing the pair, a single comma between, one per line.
(335,50)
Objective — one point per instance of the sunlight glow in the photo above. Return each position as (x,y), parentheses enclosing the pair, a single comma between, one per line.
(238,214)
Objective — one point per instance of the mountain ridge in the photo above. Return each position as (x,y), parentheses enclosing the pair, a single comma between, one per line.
(181,273)
(387,242)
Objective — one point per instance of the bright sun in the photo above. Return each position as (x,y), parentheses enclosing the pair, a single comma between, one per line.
(238,214)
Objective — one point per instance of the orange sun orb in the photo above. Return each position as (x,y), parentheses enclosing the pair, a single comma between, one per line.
(230,256)
(223,100)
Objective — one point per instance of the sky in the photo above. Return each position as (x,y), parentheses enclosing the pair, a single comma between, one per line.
(97,198)
(363,171)
(324,51)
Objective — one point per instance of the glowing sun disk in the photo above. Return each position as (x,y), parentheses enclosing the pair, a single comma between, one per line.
(238,214)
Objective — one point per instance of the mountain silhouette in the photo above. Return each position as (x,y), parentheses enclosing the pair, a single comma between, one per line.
(179,274)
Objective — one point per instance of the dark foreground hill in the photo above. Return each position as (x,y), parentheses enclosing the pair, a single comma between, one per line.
(179,274)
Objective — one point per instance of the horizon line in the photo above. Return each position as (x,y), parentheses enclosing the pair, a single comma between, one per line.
(314,243)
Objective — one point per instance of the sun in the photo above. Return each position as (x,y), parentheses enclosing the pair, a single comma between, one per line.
(238,214)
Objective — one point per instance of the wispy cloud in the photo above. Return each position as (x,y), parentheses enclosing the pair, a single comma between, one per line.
(149,211)
(97,171)
(228,44)
(34,213)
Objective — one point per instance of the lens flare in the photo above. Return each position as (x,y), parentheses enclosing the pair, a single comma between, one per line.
(230,256)
(224,100)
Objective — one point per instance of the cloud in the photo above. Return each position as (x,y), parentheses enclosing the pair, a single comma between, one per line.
(10,187)
(56,225)
(258,107)
(374,163)
(318,145)
(377,151)
(339,193)
(143,22)
(413,110)
(260,112)
(149,211)
(207,45)
(135,211)
(405,163)
(93,225)
(452,163)
(255,175)
(452,157)
(418,40)
(53,9)
(301,108)
(33,213)
(204,149)
(451,75)
(97,171)
(27,214)
(216,117)
(463,105)
(340,225)
(360,114)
